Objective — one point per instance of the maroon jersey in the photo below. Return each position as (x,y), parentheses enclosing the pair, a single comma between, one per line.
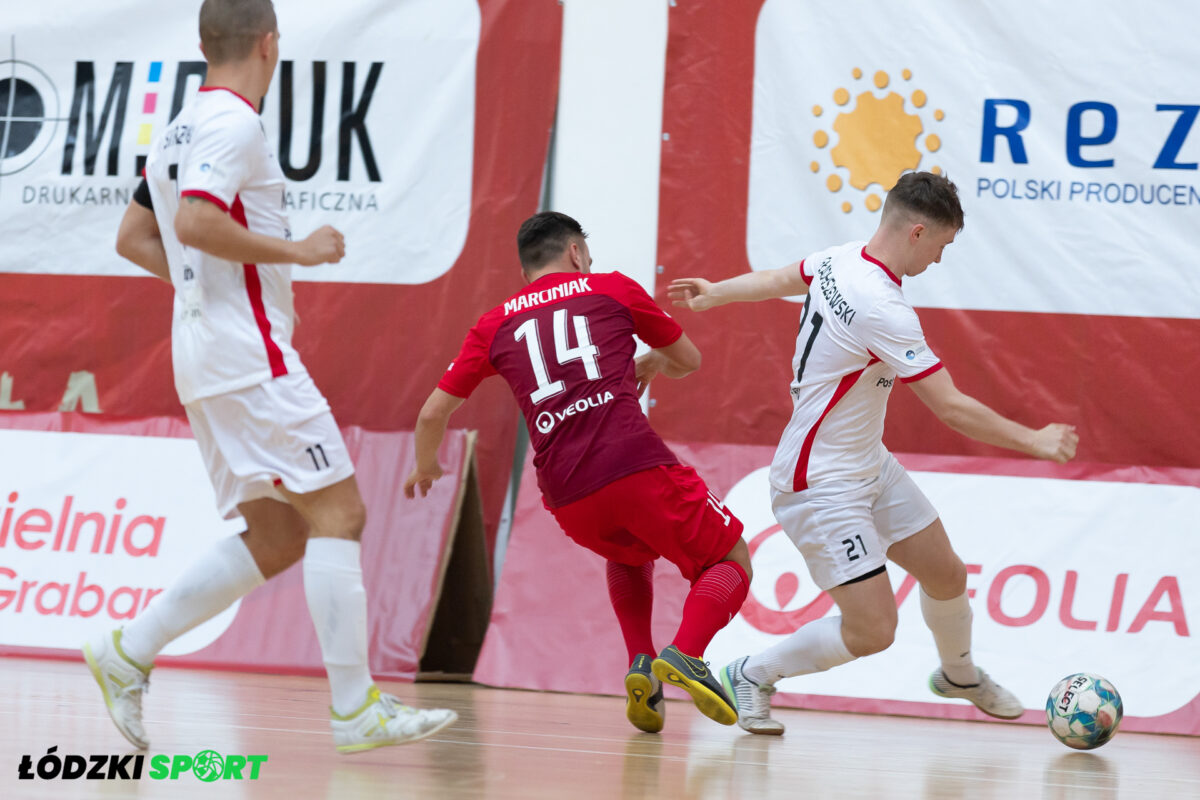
(565,346)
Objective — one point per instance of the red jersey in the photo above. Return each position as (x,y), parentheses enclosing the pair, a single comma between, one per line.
(565,346)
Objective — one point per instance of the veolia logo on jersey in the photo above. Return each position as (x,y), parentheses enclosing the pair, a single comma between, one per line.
(546,421)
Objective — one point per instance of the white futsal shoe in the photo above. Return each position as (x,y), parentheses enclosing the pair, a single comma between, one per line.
(123,682)
(988,696)
(753,700)
(383,720)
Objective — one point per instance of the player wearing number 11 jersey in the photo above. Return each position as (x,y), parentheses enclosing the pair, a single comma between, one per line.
(844,501)
(565,346)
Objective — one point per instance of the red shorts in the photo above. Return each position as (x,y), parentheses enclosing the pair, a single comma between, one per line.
(662,511)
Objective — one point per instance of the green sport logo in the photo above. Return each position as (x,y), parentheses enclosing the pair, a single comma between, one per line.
(208,766)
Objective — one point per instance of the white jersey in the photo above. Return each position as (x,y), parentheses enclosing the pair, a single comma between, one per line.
(857,335)
(232,325)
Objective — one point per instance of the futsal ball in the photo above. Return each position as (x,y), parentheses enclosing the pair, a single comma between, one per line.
(1083,711)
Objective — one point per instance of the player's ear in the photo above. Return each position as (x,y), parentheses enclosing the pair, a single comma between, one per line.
(917,231)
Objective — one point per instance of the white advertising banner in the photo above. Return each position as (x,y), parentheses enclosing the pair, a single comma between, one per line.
(92,527)
(1066,576)
(1070,131)
(371,112)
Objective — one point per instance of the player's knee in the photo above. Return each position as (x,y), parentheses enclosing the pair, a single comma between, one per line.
(352,518)
(872,641)
(740,555)
(292,547)
(869,636)
(949,583)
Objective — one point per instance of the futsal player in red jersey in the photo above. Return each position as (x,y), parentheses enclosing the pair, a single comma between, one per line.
(565,346)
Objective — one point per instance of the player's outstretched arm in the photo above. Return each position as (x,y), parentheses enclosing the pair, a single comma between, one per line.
(1055,442)
(701,295)
(201,224)
(431,429)
(139,240)
(676,360)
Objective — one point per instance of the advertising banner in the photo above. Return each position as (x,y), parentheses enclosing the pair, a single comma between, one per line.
(1056,585)
(84,546)
(419,129)
(1069,294)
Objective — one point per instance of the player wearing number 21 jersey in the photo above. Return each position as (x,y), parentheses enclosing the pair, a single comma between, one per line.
(565,346)
(838,494)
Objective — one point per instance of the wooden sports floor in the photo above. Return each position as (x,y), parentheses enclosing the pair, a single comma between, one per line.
(522,744)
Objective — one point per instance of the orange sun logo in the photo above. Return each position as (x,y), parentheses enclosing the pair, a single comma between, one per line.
(877,140)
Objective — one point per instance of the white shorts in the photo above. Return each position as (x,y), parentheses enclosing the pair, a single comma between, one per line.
(844,528)
(278,432)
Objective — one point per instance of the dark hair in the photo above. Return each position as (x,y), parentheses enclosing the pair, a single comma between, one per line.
(543,238)
(229,28)
(930,197)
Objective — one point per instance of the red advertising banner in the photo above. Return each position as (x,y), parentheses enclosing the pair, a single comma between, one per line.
(88,549)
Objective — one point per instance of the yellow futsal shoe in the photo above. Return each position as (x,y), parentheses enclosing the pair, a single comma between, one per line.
(645,707)
(694,677)
(383,720)
(122,682)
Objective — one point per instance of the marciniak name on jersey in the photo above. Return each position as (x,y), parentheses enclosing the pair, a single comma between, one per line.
(833,296)
(577,286)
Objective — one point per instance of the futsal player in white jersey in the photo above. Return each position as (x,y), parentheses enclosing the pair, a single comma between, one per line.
(841,497)
(214,226)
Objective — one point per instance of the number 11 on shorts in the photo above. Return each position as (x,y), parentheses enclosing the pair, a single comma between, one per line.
(313,452)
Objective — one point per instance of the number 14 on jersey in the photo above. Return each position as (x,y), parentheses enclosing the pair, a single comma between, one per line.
(583,351)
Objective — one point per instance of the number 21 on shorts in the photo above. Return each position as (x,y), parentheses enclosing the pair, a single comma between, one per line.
(855,549)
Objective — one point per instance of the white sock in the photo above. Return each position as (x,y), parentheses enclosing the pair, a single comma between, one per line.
(337,602)
(950,622)
(206,588)
(816,647)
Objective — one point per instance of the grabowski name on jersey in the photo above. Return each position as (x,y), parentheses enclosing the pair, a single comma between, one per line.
(577,286)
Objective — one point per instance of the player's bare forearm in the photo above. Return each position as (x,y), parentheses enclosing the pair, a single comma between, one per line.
(431,430)
(700,295)
(676,360)
(963,413)
(139,241)
(204,226)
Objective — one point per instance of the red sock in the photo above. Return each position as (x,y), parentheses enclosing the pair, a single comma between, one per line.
(715,598)
(631,590)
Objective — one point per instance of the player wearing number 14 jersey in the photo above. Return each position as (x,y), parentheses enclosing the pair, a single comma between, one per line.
(844,501)
(565,346)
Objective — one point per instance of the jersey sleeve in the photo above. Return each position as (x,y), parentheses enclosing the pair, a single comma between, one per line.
(217,160)
(141,195)
(893,334)
(472,364)
(806,273)
(652,325)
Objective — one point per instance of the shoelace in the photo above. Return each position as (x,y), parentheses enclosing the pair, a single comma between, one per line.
(137,685)
(392,705)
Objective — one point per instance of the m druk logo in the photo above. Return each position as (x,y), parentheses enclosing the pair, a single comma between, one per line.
(207,766)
